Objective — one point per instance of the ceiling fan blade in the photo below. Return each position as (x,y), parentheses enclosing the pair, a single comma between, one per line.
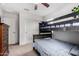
(45,4)
(35,7)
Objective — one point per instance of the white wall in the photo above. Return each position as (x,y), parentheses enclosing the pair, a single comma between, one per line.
(0,12)
(28,27)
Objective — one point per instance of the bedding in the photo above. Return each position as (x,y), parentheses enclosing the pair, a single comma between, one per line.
(52,47)
(75,51)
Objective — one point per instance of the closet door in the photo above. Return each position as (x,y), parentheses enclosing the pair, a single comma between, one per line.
(12,20)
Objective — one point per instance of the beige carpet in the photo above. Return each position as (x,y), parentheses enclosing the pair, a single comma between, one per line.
(25,50)
(31,53)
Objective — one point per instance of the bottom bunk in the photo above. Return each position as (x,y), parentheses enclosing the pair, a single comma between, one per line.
(53,47)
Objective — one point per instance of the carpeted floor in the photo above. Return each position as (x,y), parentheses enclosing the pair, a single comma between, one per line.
(31,53)
(25,50)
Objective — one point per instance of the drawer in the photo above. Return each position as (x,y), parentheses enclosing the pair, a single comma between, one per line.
(2,52)
(5,37)
(5,44)
(5,30)
(6,53)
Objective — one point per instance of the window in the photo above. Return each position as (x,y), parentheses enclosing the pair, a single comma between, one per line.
(52,26)
(57,26)
(67,25)
(62,25)
(76,24)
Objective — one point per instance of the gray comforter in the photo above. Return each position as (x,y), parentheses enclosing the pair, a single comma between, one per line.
(52,47)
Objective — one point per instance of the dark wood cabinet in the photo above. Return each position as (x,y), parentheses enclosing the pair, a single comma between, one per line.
(0,20)
(3,39)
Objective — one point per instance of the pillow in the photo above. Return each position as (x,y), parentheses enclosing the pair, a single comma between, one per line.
(75,51)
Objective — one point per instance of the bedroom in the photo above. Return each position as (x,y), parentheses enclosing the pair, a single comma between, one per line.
(37,26)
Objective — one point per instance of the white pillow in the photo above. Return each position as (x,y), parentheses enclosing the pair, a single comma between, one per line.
(75,51)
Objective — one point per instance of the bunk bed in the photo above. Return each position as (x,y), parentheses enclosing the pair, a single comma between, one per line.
(61,40)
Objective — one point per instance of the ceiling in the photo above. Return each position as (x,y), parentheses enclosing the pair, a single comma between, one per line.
(54,8)
(41,11)
(17,6)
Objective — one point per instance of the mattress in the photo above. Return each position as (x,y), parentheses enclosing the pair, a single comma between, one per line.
(52,47)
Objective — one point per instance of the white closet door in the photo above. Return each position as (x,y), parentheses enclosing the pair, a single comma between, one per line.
(11,20)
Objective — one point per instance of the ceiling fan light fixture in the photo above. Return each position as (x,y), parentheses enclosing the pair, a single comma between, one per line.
(36,5)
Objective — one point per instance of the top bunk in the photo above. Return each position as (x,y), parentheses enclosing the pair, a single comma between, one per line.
(68,21)
(71,23)
(74,20)
(74,17)
(73,14)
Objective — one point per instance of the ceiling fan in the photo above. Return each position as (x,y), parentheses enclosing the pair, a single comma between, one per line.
(44,4)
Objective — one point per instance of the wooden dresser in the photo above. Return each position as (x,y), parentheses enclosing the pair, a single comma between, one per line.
(3,39)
